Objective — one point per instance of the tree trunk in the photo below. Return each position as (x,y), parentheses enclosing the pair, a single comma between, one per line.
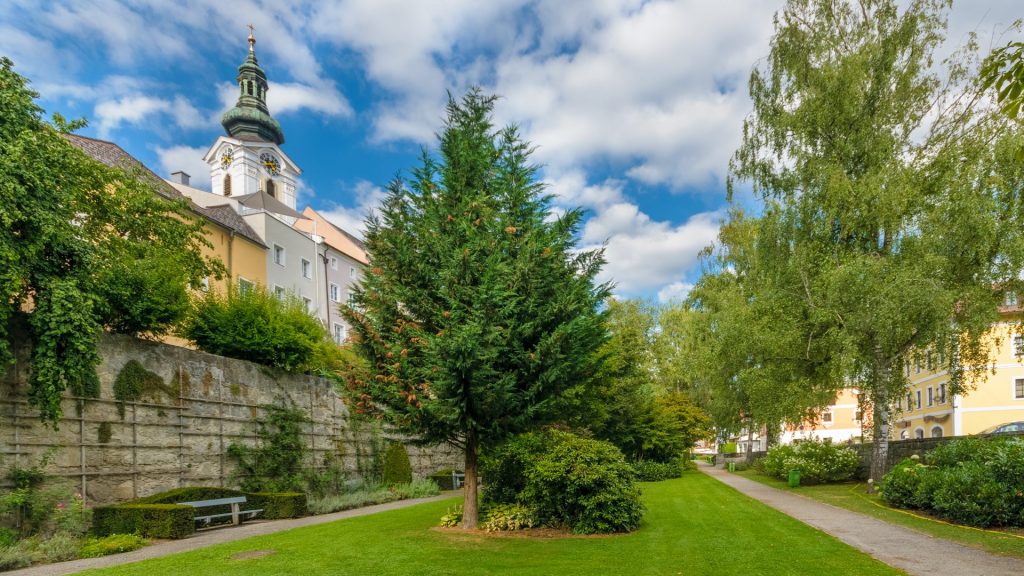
(880,427)
(469,504)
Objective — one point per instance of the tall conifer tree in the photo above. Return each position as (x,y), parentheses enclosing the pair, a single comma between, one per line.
(477,312)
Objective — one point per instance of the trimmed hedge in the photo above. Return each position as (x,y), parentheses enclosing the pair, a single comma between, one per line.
(648,471)
(443,478)
(278,505)
(396,468)
(150,520)
(157,516)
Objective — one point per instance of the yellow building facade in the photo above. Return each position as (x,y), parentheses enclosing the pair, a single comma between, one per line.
(928,410)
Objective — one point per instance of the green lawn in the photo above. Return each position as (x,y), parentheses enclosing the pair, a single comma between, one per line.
(694,525)
(853,496)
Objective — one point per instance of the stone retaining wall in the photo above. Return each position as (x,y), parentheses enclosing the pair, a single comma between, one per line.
(178,432)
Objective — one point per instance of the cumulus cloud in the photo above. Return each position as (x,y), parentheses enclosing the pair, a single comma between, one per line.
(185,158)
(137,108)
(674,292)
(645,255)
(366,197)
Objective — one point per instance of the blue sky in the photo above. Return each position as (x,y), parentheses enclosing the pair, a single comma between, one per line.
(635,106)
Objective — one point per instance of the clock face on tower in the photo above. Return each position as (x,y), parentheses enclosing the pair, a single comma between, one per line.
(226,157)
(270,163)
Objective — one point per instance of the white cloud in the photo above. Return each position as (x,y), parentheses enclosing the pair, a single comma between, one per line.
(188,159)
(645,255)
(137,108)
(351,218)
(285,98)
(674,292)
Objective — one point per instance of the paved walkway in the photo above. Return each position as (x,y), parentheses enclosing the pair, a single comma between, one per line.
(909,550)
(214,536)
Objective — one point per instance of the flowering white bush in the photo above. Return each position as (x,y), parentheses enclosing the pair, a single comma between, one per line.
(818,462)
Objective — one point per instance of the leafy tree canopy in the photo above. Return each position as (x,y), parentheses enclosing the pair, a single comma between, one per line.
(83,247)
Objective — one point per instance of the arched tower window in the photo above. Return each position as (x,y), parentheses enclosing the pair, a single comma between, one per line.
(249,85)
(227,184)
(271,189)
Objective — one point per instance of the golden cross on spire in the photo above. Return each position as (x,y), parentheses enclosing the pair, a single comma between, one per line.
(252,39)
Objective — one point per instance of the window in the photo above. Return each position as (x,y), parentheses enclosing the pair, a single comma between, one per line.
(942,358)
(279,255)
(351,299)
(204,284)
(937,432)
(279,292)
(1018,388)
(339,333)
(353,274)
(942,393)
(244,286)
(335,293)
(919,433)
(908,368)
(826,417)
(1018,345)
(334,263)
(917,395)
(1010,299)
(931,396)
(227,184)
(307,269)
(930,361)
(904,435)
(858,415)
(917,365)
(307,304)
(910,402)
(899,404)
(271,189)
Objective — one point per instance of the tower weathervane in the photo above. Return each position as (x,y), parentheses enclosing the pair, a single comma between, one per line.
(252,39)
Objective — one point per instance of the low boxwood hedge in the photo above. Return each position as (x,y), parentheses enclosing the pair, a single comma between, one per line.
(149,520)
(277,505)
(158,515)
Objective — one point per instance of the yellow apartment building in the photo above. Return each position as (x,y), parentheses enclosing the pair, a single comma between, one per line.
(929,411)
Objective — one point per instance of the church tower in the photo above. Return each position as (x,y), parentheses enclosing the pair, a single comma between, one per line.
(249,159)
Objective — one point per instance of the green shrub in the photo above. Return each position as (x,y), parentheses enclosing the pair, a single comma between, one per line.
(396,467)
(775,461)
(421,488)
(899,487)
(974,481)
(112,544)
(647,471)
(150,520)
(969,494)
(728,448)
(504,467)
(277,505)
(818,462)
(258,326)
(584,484)
(509,517)
(371,494)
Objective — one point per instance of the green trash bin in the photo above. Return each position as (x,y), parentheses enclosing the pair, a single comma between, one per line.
(732,466)
(794,478)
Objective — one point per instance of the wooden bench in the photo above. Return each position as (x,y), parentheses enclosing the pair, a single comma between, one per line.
(236,513)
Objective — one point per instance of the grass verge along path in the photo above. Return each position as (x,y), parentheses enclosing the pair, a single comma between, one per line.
(694,525)
(852,496)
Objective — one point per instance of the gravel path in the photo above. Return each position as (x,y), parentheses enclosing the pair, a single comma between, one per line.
(213,536)
(903,548)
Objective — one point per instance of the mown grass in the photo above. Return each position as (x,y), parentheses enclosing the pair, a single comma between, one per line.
(694,525)
(853,496)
